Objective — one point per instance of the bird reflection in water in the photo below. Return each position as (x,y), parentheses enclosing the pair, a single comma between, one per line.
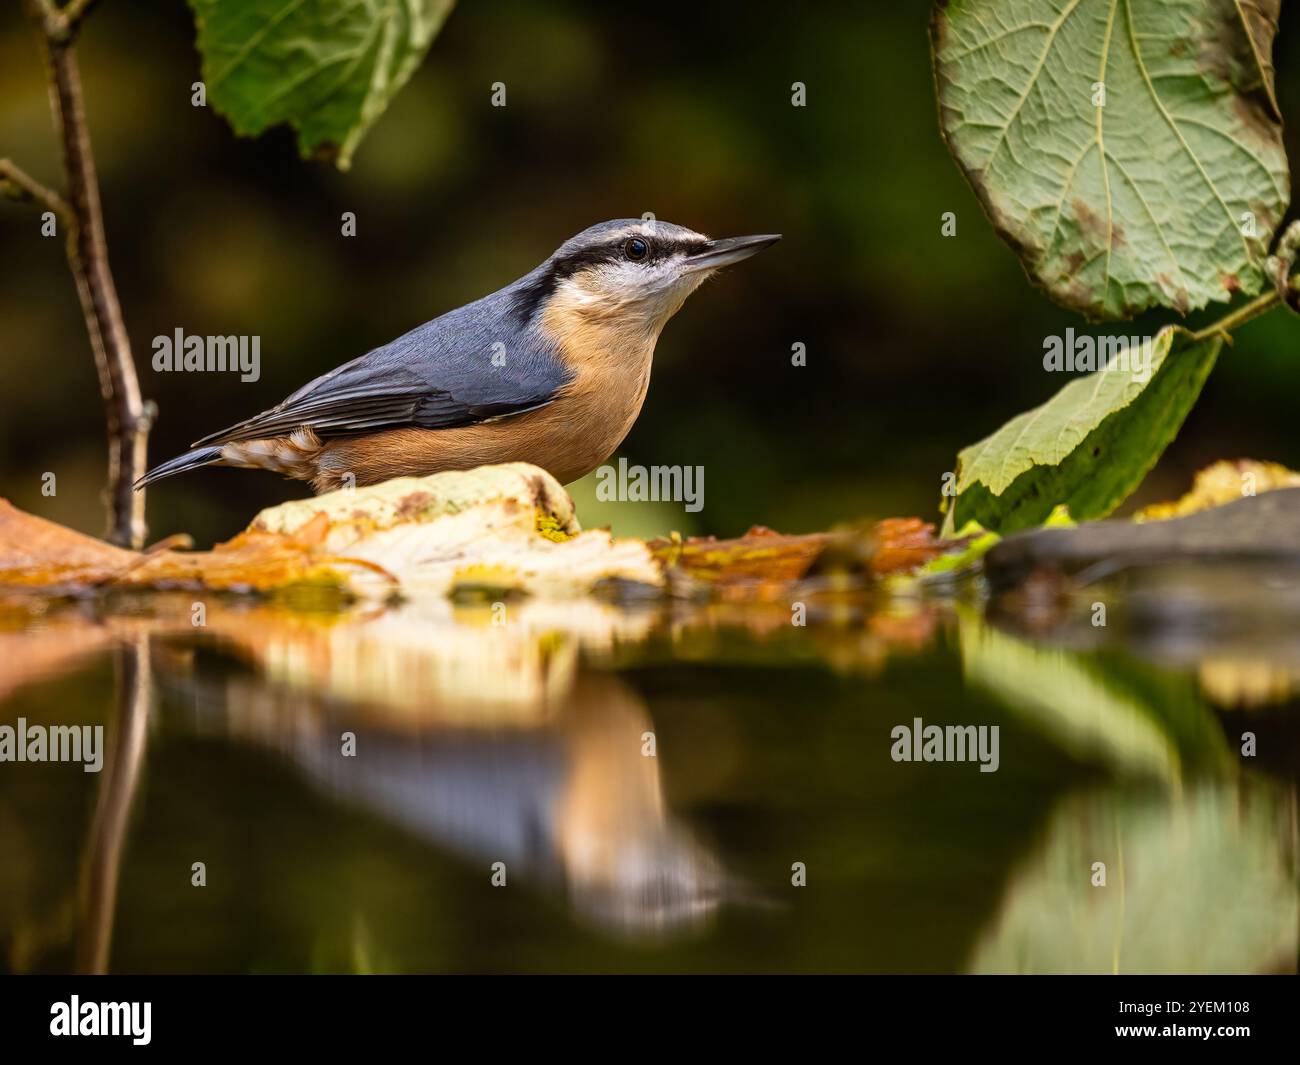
(493,741)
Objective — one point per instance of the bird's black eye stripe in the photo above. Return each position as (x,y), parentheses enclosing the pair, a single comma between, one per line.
(655,250)
(534,294)
(658,249)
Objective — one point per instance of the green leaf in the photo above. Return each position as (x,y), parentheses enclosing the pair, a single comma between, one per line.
(980,543)
(1090,445)
(1165,195)
(327,67)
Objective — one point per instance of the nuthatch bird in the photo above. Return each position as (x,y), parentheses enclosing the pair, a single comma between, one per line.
(551,370)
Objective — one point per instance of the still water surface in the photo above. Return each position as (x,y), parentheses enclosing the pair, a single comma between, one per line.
(662,788)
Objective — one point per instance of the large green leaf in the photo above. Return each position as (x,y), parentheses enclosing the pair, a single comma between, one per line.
(1168,194)
(327,67)
(1088,446)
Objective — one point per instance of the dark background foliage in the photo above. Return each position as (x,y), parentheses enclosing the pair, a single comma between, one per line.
(916,344)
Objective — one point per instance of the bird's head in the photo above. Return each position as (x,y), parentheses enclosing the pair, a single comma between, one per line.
(630,273)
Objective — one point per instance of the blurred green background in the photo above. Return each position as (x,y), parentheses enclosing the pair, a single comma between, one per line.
(916,344)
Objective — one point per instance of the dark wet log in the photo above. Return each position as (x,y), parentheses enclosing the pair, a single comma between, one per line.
(1263,528)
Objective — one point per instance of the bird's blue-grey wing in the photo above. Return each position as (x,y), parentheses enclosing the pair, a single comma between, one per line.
(447,373)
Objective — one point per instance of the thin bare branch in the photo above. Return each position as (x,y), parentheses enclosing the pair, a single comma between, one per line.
(75,11)
(19,185)
(60,24)
(128,416)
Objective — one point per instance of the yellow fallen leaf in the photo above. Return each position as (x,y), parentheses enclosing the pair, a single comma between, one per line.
(1223,482)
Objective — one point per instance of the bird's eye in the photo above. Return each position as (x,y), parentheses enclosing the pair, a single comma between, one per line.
(636,249)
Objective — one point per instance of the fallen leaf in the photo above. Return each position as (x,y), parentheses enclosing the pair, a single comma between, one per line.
(759,558)
(431,535)
(1223,482)
(903,544)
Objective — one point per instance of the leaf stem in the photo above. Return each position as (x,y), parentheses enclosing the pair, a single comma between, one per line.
(1243,314)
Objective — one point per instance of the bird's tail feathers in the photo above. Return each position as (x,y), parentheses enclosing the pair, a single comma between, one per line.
(191,460)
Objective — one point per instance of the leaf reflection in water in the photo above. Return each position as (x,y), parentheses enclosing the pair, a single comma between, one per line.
(1193,884)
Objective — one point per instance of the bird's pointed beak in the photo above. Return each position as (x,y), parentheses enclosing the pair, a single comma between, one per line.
(718,253)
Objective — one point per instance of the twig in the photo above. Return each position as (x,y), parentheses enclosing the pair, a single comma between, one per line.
(61,23)
(129,418)
(18,184)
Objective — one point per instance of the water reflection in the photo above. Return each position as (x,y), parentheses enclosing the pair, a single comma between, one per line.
(1235,624)
(565,798)
(633,765)
(1194,885)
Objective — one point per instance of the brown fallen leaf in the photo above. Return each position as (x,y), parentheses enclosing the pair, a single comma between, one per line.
(755,564)
(256,561)
(40,555)
(903,544)
(36,553)
(762,563)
